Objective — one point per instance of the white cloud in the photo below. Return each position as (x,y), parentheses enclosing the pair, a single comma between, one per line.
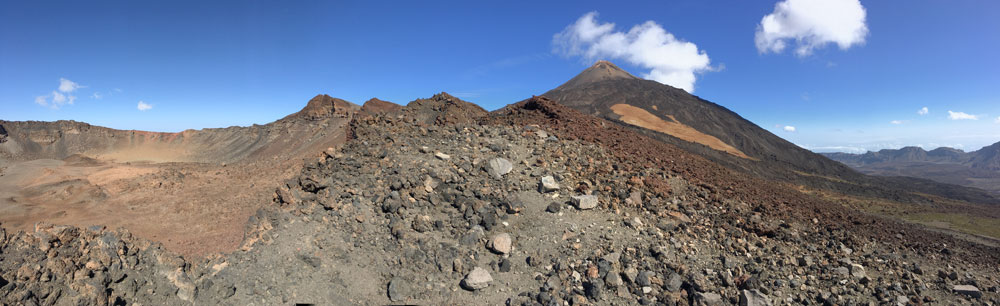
(670,61)
(961,116)
(789,128)
(58,99)
(845,149)
(61,96)
(811,24)
(997,120)
(923,111)
(897,122)
(68,86)
(97,96)
(143,106)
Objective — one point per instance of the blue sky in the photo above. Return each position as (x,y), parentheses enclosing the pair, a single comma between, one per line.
(214,64)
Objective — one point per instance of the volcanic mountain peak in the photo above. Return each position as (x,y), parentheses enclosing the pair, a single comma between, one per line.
(323,106)
(945,150)
(600,71)
(376,105)
(446,97)
(444,108)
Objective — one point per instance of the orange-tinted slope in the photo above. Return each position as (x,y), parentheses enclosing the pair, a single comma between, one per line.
(641,118)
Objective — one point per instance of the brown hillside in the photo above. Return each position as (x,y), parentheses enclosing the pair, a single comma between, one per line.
(193,191)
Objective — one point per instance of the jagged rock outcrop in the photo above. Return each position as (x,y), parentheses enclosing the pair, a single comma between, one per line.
(442,109)
(323,107)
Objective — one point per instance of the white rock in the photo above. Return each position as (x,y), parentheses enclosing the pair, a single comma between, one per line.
(501,243)
(442,156)
(499,166)
(858,271)
(479,278)
(584,201)
(549,184)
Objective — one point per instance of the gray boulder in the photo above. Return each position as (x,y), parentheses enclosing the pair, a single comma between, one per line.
(585,201)
(968,290)
(499,166)
(479,278)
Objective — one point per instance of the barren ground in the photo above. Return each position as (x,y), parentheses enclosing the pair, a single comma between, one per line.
(193,209)
(192,191)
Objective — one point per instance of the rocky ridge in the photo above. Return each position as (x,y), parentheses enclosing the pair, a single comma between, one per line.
(419,210)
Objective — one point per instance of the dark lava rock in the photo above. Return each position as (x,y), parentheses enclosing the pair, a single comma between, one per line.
(593,288)
(505,265)
(553,207)
(643,279)
(674,283)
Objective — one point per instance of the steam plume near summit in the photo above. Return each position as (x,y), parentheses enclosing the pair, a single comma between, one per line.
(670,60)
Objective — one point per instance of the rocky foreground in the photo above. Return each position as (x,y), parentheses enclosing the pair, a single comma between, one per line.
(518,208)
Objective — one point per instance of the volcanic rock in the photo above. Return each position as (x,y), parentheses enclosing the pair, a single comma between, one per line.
(548,184)
(501,243)
(499,166)
(479,278)
(584,202)
(754,298)
(968,290)
(397,289)
(707,299)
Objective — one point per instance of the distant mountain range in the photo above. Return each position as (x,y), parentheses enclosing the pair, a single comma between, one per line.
(980,168)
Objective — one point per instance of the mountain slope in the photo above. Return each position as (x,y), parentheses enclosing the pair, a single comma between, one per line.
(987,158)
(607,94)
(672,115)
